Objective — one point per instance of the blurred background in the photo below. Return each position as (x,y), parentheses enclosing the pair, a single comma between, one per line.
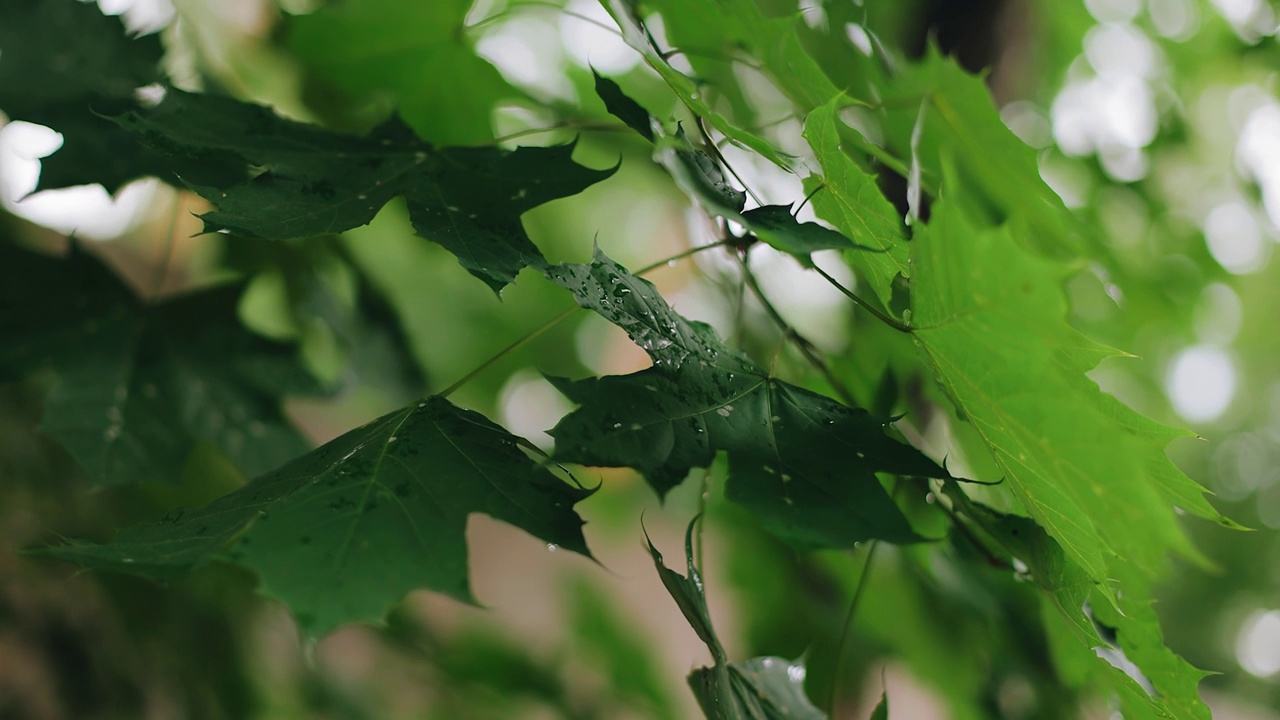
(1158,120)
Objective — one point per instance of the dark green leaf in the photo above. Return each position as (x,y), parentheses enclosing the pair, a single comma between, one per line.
(700,175)
(341,533)
(622,107)
(139,386)
(64,61)
(763,688)
(314,181)
(804,464)
(776,225)
(882,708)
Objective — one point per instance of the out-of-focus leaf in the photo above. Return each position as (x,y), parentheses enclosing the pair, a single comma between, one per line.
(138,386)
(418,53)
(849,199)
(314,181)
(343,532)
(804,464)
(764,688)
(622,107)
(882,708)
(65,63)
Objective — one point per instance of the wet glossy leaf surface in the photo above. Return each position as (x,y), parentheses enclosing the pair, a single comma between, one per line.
(343,532)
(762,688)
(311,181)
(803,463)
(137,386)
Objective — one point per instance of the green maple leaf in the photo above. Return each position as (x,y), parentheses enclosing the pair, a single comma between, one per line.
(343,532)
(417,53)
(762,688)
(849,199)
(804,464)
(312,181)
(989,319)
(623,107)
(1132,620)
(138,386)
(48,79)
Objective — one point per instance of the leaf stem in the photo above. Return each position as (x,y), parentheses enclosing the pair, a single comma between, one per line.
(845,632)
(881,316)
(162,269)
(544,327)
(805,347)
(567,125)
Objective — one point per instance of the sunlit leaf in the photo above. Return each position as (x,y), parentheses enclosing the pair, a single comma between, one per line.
(804,464)
(137,386)
(343,532)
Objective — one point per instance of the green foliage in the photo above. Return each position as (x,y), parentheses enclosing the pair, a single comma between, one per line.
(138,386)
(341,533)
(804,464)
(966,263)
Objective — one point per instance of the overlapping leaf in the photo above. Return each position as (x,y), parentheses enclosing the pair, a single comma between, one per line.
(849,199)
(312,181)
(138,386)
(63,61)
(341,533)
(417,53)
(763,688)
(703,178)
(804,464)
(989,318)
(1171,682)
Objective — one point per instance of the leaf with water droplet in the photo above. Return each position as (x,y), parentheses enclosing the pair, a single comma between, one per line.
(362,556)
(701,397)
(138,386)
(468,200)
(762,688)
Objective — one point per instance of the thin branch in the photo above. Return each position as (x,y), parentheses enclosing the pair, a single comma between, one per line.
(882,317)
(845,632)
(533,4)
(805,347)
(544,327)
(567,125)
(162,270)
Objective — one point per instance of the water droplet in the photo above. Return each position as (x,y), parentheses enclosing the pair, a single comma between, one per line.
(552,547)
(724,411)
(392,439)
(770,470)
(617,425)
(671,263)
(127,560)
(775,418)
(422,404)
(637,426)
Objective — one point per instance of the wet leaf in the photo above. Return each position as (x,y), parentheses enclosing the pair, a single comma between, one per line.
(763,688)
(311,181)
(775,225)
(804,464)
(137,386)
(343,532)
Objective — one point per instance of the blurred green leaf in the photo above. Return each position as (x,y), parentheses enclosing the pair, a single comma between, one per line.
(312,181)
(622,107)
(139,385)
(97,69)
(343,532)
(418,53)
(804,464)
